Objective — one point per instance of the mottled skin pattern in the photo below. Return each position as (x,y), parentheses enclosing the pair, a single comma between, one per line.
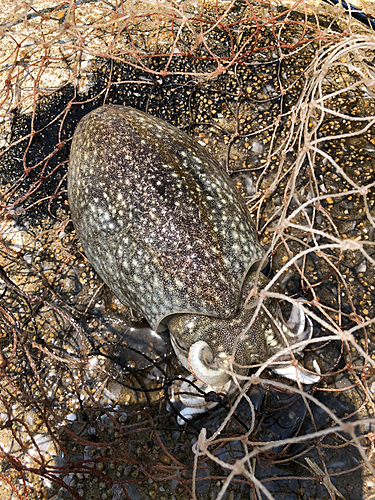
(226,335)
(165,228)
